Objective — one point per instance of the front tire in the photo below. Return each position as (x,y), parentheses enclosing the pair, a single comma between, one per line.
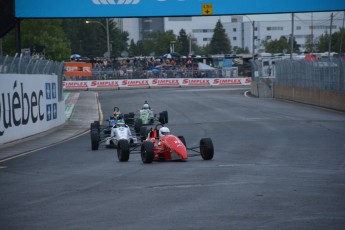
(183,140)
(147,152)
(123,150)
(206,148)
(94,139)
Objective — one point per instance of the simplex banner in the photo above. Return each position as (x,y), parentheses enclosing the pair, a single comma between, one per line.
(155,82)
(166,8)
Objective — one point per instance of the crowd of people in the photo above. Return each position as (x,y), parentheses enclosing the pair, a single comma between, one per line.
(147,67)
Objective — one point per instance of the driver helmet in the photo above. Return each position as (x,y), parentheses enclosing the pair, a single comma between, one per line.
(120,123)
(119,117)
(164,131)
(146,106)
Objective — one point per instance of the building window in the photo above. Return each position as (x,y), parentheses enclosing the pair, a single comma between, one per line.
(268,37)
(322,27)
(179,19)
(274,28)
(234,38)
(202,31)
(298,28)
(234,30)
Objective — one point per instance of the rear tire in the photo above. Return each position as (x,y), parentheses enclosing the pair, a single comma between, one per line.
(163,117)
(137,125)
(147,152)
(123,150)
(143,133)
(206,148)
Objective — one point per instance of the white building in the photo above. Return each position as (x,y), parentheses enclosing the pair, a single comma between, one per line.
(238,28)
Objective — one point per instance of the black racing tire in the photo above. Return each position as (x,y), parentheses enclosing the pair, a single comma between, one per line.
(95,126)
(163,117)
(182,140)
(137,125)
(143,133)
(147,152)
(126,118)
(206,148)
(94,139)
(123,150)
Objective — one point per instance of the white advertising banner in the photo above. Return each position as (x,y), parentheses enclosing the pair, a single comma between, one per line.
(28,105)
(155,82)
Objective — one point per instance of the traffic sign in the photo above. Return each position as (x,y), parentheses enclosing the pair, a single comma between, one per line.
(206,9)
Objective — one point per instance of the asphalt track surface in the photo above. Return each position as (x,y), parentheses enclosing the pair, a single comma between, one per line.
(277,165)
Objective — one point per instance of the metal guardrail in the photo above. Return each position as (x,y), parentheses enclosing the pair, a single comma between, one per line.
(28,65)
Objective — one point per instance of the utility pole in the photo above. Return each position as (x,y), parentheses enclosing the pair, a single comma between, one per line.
(108,42)
(330,37)
(312,32)
(342,35)
(292,34)
(253,24)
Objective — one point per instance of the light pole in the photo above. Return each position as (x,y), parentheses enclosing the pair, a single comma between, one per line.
(172,46)
(107,31)
(253,35)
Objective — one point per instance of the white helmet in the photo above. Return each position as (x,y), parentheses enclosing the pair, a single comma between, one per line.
(146,106)
(164,131)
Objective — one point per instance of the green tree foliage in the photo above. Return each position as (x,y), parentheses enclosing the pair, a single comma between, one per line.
(323,42)
(220,43)
(295,45)
(158,43)
(310,44)
(90,39)
(133,49)
(182,45)
(276,46)
(42,32)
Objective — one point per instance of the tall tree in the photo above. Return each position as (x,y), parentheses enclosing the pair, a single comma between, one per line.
(182,45)
(220,43)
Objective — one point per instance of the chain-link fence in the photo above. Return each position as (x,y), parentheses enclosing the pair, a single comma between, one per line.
(322,75)
(29,65)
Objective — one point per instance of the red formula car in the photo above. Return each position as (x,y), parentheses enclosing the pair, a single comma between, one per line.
(160,145)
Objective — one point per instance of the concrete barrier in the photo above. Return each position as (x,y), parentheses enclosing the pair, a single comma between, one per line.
(328,99)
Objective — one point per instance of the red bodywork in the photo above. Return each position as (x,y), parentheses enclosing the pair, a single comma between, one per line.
(168,147)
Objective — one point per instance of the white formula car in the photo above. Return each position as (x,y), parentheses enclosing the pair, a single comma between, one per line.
(118,136)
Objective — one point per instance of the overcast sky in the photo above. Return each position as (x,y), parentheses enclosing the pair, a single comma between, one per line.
(302,16)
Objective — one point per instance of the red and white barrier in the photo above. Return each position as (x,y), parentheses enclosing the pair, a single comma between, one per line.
(155,82)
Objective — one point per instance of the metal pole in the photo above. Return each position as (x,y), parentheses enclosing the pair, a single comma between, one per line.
(330,37)
(292,34)
(342,35)
(18,37)
(253,24)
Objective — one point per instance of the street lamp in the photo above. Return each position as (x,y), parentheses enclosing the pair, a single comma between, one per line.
(106,29)
(172,46)
(253,39)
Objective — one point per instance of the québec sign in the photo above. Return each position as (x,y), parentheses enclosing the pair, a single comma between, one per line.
(28,105)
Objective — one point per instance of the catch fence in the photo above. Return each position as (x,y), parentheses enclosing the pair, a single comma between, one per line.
(28,65)
(326,75)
